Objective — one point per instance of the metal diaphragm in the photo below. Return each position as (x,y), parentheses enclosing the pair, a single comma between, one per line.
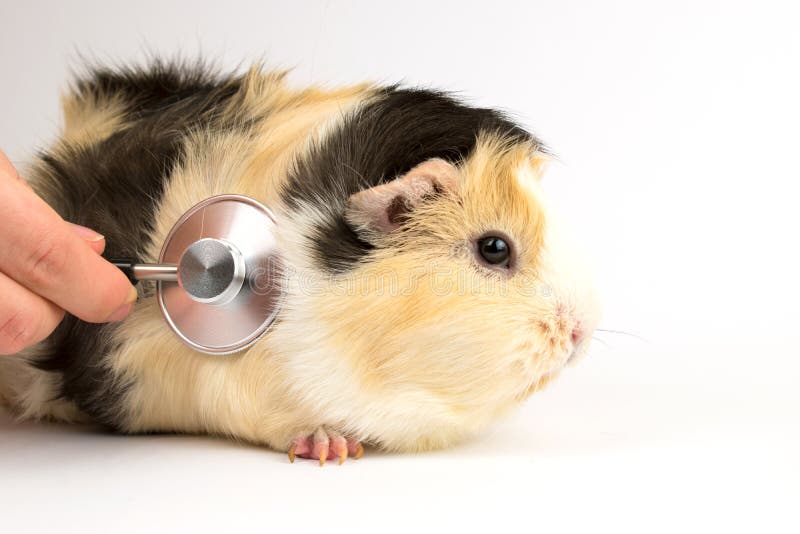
(229,271)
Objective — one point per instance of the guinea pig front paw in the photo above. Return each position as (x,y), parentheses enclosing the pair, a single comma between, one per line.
(324,444)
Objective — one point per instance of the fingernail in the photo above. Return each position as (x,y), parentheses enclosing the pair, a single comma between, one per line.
(86,233)
(133,296)
(123,311)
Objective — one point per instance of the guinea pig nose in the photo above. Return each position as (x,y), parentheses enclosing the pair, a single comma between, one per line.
(576,336)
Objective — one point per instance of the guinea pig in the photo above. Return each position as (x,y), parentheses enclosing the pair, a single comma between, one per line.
(427,289)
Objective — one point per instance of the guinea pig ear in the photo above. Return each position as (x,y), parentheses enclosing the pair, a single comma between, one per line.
(383,208)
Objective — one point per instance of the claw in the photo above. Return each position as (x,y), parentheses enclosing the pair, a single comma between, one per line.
(323,445)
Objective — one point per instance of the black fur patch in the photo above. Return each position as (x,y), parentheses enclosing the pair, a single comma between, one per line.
(384,139)
(114,187)
(160,86)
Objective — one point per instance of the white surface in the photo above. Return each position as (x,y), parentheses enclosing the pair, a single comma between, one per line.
(676,126)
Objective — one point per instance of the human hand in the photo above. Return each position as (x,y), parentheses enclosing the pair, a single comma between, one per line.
(49,266)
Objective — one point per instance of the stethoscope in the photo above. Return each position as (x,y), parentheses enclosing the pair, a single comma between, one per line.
(217,274)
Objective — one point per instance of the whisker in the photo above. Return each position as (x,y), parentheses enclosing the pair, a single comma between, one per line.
(622,332)
(605,343)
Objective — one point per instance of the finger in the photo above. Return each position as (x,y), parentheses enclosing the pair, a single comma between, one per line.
(42,253)
(96,241)
(25,318)
(7,170)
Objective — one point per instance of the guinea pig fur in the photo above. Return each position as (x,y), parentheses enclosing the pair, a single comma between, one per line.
(427,287)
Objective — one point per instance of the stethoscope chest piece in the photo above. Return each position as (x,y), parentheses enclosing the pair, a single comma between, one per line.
(227,291)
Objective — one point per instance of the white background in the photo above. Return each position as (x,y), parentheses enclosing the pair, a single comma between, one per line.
(676,126)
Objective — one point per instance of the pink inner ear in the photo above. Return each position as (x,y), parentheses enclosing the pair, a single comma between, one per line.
(438,170)
(380,208)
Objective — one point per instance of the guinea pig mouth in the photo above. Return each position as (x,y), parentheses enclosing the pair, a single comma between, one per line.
(579,341)
(572,357)
(579,348)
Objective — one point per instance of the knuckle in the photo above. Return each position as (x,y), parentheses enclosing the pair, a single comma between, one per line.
(17,331)
(45,263)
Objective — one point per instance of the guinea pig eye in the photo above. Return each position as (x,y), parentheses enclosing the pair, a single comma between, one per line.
(495,250)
